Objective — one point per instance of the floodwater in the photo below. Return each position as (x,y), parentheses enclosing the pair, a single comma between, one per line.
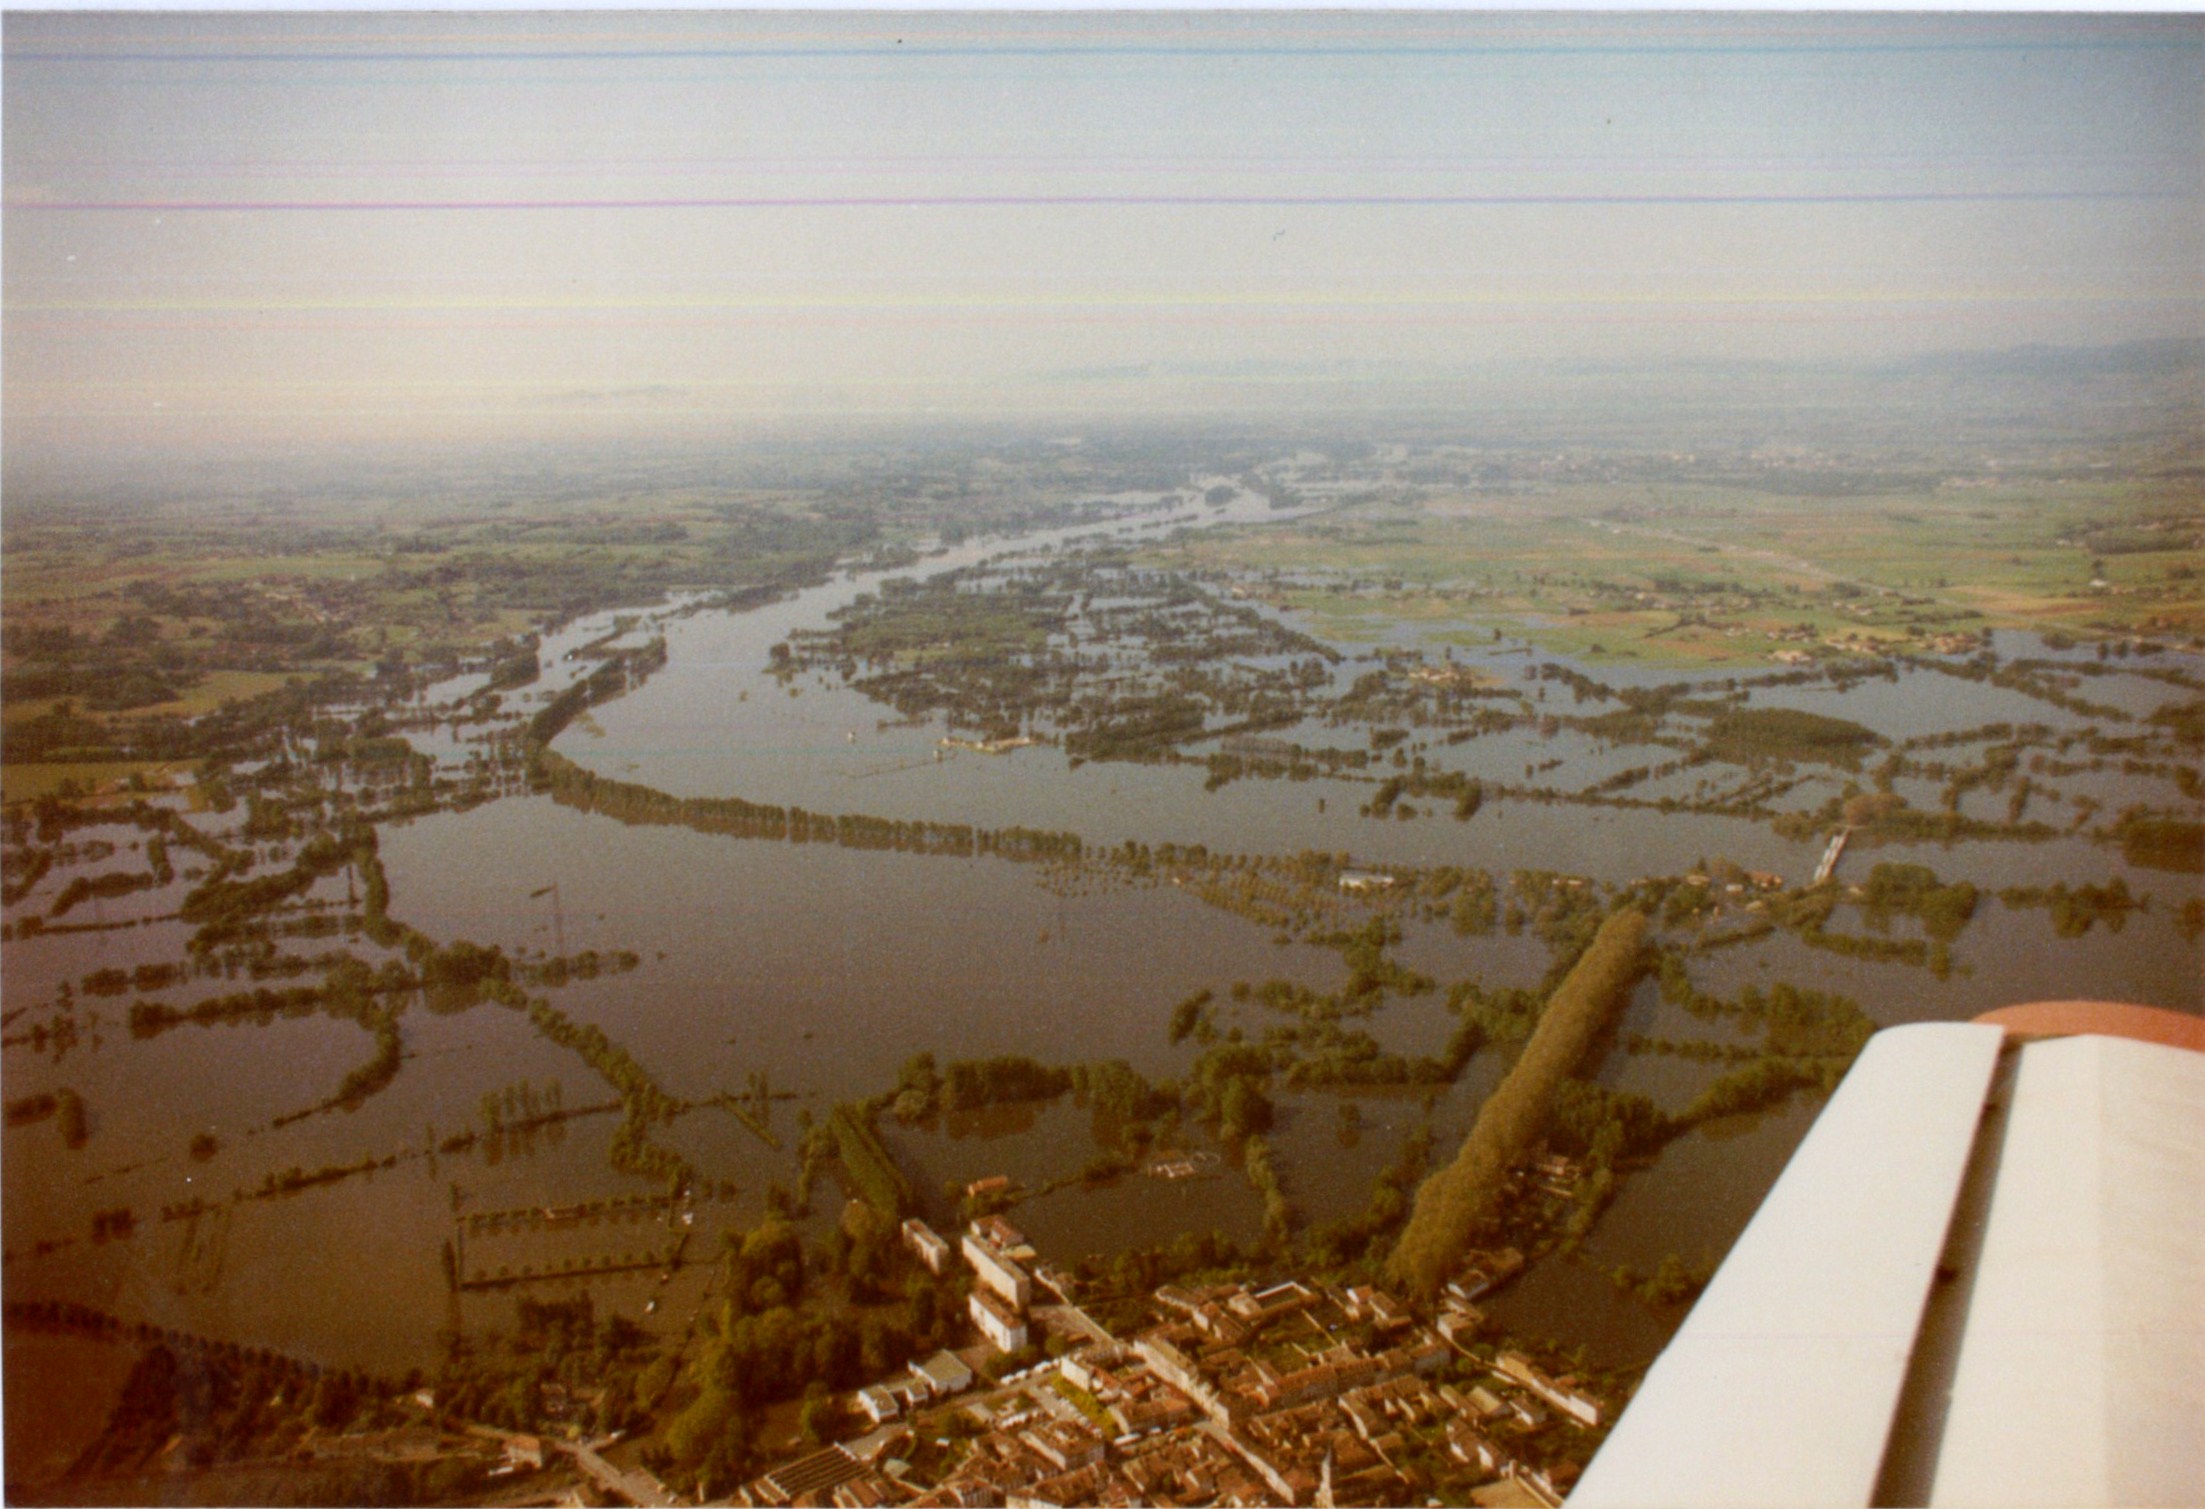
(826,968)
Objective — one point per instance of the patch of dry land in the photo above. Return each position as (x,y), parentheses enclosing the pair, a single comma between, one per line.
(1704,575)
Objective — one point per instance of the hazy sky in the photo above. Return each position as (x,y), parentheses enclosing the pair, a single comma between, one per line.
(243,230)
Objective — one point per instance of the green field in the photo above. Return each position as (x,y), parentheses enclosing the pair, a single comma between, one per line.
(20,782)
(1708,576)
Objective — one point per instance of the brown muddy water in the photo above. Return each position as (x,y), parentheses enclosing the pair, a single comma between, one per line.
(825,968)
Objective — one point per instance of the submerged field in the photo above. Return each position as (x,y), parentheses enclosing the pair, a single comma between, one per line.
(413,934)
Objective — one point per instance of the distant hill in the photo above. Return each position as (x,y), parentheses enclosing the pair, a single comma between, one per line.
(2172,356)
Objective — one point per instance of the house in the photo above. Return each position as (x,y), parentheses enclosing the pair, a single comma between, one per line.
(871,1491)
(1386,1312)
(1467,1446)
(999,1233)
(955,1495)
(1422,1357)
(926,1245)
(1360,882)
(883,1442)
(1167,1362)
(879,1405)
(1083,1485)
(1221,1325)
(994,1184)
(1364,1414)
(1486,1271)
(1325,1380)
(1529,1413)
(1460,1327)
(1164,1409)
(1065,1446)
(1536,1484)
(1580,1407)
(1054,1279)
(1178,1299)
(1280,1299)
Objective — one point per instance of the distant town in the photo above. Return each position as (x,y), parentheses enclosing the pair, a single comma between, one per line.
(1298,1392)
(1294,1390)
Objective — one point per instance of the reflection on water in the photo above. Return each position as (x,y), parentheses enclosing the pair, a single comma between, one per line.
(1693,1202)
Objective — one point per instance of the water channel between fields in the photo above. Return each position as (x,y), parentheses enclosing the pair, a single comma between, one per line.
(826,967)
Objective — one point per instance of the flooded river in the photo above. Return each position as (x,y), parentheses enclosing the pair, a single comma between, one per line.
(825,968)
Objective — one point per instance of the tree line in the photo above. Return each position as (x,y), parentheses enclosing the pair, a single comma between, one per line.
(1453,1204)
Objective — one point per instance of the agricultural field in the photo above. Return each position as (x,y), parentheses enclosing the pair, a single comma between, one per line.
(1728,577)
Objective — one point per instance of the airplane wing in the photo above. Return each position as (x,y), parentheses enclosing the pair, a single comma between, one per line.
(1980,1281)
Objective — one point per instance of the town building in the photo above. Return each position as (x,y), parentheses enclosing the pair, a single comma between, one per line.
(1297,1393)
(997,1321)
(1484,1272)
(1358,882)
(1580,1407)
(999,1273)
(1178,1299)
(1459,1325)
(943,1374)
(926,1245)
(1000,1234)
(870,1491)
(808,1478)
(1063,1445)
(883,1402)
